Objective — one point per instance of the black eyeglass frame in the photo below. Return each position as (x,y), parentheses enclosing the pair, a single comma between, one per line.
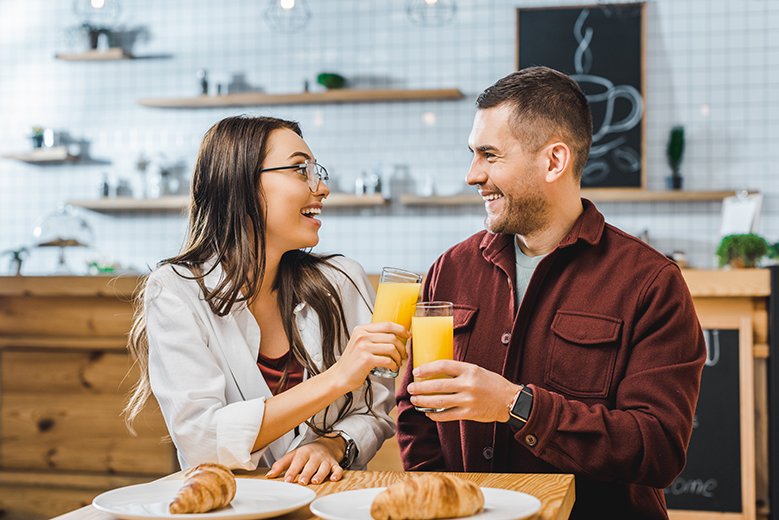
(320,173)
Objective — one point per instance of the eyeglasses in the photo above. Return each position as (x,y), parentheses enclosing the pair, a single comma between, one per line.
(312,171)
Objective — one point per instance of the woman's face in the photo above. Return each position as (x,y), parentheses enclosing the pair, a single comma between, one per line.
(290,206)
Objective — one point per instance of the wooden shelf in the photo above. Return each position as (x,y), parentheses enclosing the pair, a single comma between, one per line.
(303,98)
(112,54)
(180,202)
(595,195)
(54,155)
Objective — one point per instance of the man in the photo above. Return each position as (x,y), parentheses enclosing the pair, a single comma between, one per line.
(577,346)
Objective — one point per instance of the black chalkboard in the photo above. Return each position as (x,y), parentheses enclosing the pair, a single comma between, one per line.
(711,480)
(601,48)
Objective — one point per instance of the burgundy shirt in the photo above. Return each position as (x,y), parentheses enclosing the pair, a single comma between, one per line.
(273,368)
(608,339)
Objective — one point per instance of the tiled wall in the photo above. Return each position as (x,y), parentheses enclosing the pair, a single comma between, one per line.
(711,65)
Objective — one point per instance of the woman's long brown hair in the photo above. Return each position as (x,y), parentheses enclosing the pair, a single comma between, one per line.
(227,224)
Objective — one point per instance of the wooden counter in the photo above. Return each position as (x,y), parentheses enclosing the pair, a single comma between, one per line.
(64,380)
(64,369)
(556,491)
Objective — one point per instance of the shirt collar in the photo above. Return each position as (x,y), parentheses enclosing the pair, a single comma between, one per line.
(588,228)
(215,275)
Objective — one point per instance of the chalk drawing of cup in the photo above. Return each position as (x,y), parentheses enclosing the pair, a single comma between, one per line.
(602,95)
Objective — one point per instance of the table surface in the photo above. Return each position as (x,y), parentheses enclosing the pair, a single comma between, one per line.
(556,491)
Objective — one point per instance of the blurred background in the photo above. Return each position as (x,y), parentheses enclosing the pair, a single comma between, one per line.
(710,66)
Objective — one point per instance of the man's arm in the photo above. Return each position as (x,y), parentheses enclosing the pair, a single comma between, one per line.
(644,439)
(420,447)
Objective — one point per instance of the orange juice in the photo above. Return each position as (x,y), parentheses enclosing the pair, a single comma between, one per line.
(395,302)
(432,338)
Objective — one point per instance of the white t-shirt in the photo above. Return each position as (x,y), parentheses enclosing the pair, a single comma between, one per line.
(526,265)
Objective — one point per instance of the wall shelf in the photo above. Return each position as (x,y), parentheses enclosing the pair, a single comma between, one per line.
(112,54)
(180,202)
(304,98)
(54,155)
(595,195)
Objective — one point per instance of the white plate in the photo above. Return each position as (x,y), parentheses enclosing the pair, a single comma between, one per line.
(253,499)
(499,504)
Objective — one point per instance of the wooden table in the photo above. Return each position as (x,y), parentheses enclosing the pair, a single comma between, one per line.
(555,491)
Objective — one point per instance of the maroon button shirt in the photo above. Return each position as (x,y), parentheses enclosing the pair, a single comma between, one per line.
(607,337)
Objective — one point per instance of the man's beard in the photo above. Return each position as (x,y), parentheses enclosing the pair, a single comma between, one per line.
(520,216)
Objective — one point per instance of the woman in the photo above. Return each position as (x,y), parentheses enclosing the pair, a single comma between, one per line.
(244,338)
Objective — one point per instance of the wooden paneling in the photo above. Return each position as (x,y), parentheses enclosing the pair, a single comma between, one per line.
(62,316)
(38,496)
(62,411)
(88,373)
(118,287)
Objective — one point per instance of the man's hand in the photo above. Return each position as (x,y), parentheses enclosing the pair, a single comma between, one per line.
(469,392)
(312,462)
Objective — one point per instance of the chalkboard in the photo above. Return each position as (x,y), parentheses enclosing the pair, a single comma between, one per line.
(711,480)
(601,47)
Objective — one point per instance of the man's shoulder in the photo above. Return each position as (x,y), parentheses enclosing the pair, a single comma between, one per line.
(638,253)
(467,248)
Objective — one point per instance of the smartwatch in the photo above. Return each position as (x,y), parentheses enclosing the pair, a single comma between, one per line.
(519,413)
(350,451)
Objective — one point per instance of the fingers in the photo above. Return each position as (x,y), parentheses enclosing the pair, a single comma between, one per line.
(389,328)
(310,469)
(280,465)
(443,367)
(435,386)
(323,471)
(337,474)
(298,463)
(436,401)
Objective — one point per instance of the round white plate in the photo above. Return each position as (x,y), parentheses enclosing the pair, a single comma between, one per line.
(253,499)
(499,504)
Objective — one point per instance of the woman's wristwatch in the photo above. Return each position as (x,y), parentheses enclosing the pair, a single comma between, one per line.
(350,451)
(519,413)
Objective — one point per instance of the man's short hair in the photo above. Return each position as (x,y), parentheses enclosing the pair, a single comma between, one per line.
(546,103)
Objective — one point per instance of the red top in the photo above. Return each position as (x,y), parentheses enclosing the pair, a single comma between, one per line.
(272,370)
(608,339)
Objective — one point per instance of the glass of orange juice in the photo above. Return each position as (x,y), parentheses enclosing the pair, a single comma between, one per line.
(432,333)
(395,299)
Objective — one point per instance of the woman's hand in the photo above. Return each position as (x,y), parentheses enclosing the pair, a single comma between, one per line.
(312,462)
(370,346)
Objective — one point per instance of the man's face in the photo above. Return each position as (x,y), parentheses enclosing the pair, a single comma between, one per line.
(508,174)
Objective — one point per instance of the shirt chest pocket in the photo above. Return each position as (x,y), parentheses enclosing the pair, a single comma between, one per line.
(464,318)
(583,353)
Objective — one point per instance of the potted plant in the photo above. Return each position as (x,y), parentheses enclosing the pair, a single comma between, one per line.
(93,33)
(773,251)
(741,251)
(674,152)
(37,137)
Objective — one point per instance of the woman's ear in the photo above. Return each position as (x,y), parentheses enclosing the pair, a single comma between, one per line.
(558,156)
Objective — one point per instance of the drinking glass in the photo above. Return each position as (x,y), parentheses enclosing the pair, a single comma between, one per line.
(395,299)
(432,330)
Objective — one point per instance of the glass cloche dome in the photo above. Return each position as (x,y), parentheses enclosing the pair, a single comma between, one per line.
(62,228)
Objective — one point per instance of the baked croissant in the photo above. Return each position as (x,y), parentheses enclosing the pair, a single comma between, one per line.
(427,496)
(206,487)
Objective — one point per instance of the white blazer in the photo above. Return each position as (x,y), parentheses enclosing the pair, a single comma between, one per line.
(203,372)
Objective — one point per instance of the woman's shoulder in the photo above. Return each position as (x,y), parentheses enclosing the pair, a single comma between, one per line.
(341,269)
(172,278)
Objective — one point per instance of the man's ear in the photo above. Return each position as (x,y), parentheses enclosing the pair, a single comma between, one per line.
(558,159)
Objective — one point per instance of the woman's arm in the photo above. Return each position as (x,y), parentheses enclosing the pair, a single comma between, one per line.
(372,345)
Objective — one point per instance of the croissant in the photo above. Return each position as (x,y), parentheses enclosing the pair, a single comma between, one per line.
(428,496)
(206,487)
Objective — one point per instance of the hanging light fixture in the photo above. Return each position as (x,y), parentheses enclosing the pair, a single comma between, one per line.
(287,15)
(431,13)
(97,13)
